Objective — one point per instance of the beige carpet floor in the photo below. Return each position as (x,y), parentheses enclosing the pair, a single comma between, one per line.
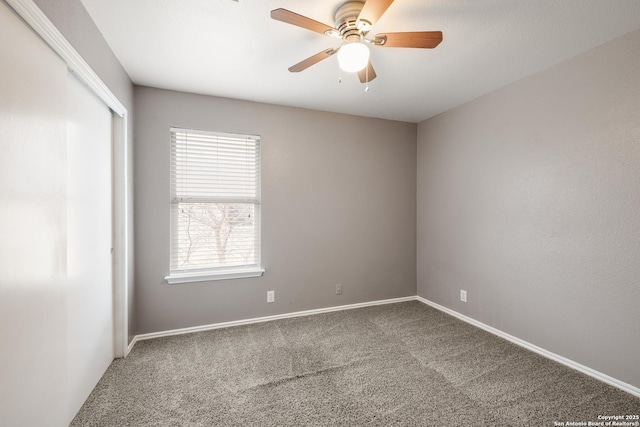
(403,364)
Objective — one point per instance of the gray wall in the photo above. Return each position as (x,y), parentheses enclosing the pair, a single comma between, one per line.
(338,206)
(529,198)
(73,21)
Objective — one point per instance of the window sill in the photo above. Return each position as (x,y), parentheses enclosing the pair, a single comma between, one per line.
(202,276)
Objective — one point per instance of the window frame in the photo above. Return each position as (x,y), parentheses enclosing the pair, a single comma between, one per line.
(215,273)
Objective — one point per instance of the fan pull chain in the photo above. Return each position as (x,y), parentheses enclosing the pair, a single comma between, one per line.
(366,73)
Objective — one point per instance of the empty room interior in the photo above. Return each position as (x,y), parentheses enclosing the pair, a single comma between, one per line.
(319,213)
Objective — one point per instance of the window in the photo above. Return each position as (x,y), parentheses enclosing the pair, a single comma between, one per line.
(215,206)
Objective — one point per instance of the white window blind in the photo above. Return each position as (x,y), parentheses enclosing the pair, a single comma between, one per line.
(215,203)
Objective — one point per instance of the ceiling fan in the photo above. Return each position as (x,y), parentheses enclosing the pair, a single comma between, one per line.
(353,20)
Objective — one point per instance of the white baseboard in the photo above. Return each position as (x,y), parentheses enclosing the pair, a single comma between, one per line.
(130,346)
(541,351)
(263,319)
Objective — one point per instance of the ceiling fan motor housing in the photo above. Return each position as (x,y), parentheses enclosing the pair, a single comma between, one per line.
(346,18)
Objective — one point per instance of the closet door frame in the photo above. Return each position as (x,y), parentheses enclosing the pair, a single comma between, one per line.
(39,22)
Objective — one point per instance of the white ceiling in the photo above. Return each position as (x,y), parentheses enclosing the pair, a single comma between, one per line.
(234,49)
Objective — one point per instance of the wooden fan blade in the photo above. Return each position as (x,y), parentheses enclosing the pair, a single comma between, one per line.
(373,10)
(419,39)
(303,65)
(367,74)
(293,18)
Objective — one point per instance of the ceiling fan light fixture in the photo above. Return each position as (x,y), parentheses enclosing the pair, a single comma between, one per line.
(353,57)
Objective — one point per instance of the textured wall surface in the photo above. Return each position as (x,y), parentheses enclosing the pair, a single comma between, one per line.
(338,206)
(529,198)
(72,20)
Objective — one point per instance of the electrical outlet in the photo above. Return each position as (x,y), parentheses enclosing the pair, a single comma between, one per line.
(463,295)
(338,289)
(271,296)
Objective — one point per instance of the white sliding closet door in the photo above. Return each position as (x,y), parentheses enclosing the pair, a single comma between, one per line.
(89,268)
(33,226)
(56,303)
